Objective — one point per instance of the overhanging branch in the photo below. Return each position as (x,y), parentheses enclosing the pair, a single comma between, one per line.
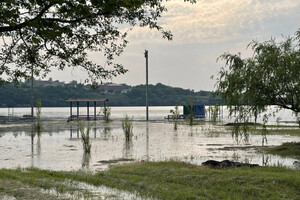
(26,23)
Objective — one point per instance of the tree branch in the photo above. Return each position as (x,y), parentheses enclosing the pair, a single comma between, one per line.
(21,25)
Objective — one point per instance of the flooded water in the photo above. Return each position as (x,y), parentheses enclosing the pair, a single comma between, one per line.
(59,146)
(138,113)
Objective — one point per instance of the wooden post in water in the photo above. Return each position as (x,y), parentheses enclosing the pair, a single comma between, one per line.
(71,105)
(94,110)
(88,110)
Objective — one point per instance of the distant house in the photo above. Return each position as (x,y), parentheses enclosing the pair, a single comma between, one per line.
(113,88)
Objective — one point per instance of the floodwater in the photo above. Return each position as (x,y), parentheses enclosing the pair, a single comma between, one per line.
(138,113)
(59,147)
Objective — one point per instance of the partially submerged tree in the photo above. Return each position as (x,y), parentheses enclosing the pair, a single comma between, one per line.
(270,77)
(175,115)
(38,35)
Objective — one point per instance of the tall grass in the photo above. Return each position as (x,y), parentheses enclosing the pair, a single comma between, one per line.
(38,125)
(214,112)
(85,136)
(191,110)
(107,113)
(175,114)
(127,128)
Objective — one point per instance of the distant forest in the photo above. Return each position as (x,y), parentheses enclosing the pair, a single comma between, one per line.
(55,94)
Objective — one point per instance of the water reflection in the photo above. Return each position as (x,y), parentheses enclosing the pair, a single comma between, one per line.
(74,131)
(266,159)
(128,147)
(152,141)
(32,148)
(147,141)
(95,131)
(191,133)
(38,145)
(86,157)
(106,132)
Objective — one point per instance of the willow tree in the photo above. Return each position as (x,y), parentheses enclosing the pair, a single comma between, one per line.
(270,77)
(39,35)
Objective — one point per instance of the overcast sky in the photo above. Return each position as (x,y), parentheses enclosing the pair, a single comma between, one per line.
(202,32)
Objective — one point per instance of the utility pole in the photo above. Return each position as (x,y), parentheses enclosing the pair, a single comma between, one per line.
(32,97)
(147,109)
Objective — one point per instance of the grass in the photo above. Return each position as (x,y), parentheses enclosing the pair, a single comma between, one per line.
(272,130)
(283,131)
(289,149)
(107,113)
(127,128)
(175,113)
(172,180)
(85,137)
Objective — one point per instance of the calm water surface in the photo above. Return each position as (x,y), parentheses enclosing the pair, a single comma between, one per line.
(59,146)
(138,113)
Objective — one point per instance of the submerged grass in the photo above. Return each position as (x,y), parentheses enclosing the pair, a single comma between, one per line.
(127,128)
(289,149)
(271,130)
(175,180)
(85,136)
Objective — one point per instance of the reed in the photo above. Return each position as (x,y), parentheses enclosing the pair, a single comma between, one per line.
(175,114)
(127,128)
(214,112)
(191,110)
(85,136)
(107,113)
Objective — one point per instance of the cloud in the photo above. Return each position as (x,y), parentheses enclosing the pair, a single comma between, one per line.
(202,32)
(218,20)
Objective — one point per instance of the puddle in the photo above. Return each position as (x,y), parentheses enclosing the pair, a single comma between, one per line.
(87,191)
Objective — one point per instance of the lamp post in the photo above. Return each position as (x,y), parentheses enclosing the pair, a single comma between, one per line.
(147,109)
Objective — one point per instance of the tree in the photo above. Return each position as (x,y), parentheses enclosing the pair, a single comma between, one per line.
(38,35)
(270,77)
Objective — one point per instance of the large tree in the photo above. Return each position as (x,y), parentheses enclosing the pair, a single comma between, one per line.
(270,77)
(40,34)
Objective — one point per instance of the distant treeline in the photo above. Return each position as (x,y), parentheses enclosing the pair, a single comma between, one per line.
(56,95)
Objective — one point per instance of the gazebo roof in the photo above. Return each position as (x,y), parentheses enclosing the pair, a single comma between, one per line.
(87,100)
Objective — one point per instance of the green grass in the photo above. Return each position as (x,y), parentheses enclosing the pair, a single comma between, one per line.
(289,149)
(288,131)
(127,128)
(271,130)
(174,180)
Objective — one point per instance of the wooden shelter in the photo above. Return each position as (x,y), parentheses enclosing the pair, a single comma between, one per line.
(87,101)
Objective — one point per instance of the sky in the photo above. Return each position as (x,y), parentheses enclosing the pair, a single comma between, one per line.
(201,33)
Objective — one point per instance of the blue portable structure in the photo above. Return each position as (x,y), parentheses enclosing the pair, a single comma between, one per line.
(198,110)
